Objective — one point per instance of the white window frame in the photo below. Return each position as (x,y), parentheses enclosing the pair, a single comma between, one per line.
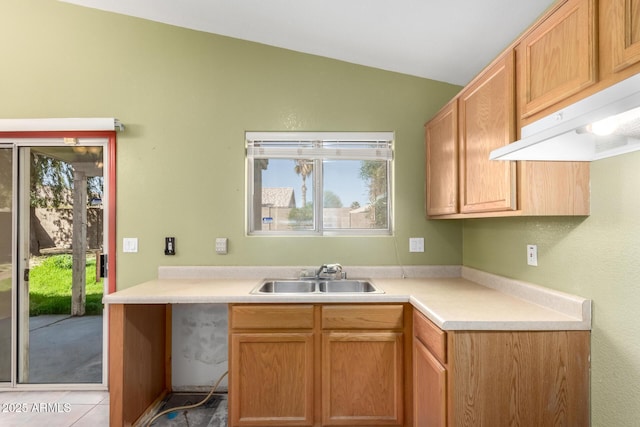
(318,146)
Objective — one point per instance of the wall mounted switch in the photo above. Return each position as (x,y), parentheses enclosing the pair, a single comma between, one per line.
(532,255)
(169,245)
(130,244)
(416,244)
(221,245)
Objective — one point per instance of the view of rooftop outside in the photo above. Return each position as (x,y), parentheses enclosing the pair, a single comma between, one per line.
(354,194)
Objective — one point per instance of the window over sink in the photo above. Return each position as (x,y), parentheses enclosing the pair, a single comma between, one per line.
(319,183)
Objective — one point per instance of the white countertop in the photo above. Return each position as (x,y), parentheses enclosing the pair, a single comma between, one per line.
(473,301)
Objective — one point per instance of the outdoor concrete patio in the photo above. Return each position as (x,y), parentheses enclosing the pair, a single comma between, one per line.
(65,349)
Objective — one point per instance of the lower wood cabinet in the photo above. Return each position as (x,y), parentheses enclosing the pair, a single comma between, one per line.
(362,378)
(272,365)
(318,365)
(513,378)
(499,378)
(430,386)
(388,365)
(362,365)
(429,374)
(272,379)
(139,353)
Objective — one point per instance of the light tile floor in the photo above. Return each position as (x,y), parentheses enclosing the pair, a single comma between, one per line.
(54,408)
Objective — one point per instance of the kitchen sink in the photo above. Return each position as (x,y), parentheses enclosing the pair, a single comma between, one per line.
(316,286)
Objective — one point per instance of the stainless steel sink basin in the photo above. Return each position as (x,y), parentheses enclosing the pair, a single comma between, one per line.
(359,286)
(287,287)
(315,286)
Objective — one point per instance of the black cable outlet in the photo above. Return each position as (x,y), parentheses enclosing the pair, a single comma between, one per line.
(169,245)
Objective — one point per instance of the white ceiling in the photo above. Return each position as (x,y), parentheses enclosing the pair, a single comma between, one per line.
(446,40)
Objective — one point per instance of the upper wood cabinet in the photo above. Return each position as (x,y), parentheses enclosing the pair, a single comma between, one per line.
(558,56)
(550,65)
(484,188)
(601,48)
(553,188)
(619,37)
(441,151)
(486,122)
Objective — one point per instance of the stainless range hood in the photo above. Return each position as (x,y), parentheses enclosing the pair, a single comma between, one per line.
(575,133)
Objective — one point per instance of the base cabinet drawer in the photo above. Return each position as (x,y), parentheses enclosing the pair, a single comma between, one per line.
(280,316)
(362,316)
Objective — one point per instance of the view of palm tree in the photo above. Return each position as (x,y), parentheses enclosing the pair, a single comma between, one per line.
(303,168)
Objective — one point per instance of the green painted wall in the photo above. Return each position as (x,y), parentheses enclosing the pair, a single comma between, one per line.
(187,98)
(597,257)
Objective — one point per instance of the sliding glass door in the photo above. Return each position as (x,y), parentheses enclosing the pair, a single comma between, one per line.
(54,230)
(60,240)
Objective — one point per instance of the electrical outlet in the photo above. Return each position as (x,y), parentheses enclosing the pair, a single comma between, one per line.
(221,245)
(532,255)
(416,244)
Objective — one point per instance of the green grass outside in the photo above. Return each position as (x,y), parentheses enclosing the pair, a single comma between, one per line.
(5,284)
(50,286)
(5,270)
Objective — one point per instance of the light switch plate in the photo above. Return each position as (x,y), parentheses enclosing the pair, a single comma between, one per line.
(221,245)
(130,244)
(416,244)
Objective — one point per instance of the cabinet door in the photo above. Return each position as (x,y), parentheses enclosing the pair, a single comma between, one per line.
(441,152)
(429,388)
(487,121)
(620,32)
(362,378)
(271,379)
(559,56)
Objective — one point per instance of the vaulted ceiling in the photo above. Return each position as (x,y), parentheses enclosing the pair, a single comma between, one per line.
(446,40)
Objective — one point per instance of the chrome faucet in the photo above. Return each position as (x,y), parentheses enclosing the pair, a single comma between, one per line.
(331,269)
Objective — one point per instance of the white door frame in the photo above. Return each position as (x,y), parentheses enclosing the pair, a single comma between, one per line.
(23,235)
